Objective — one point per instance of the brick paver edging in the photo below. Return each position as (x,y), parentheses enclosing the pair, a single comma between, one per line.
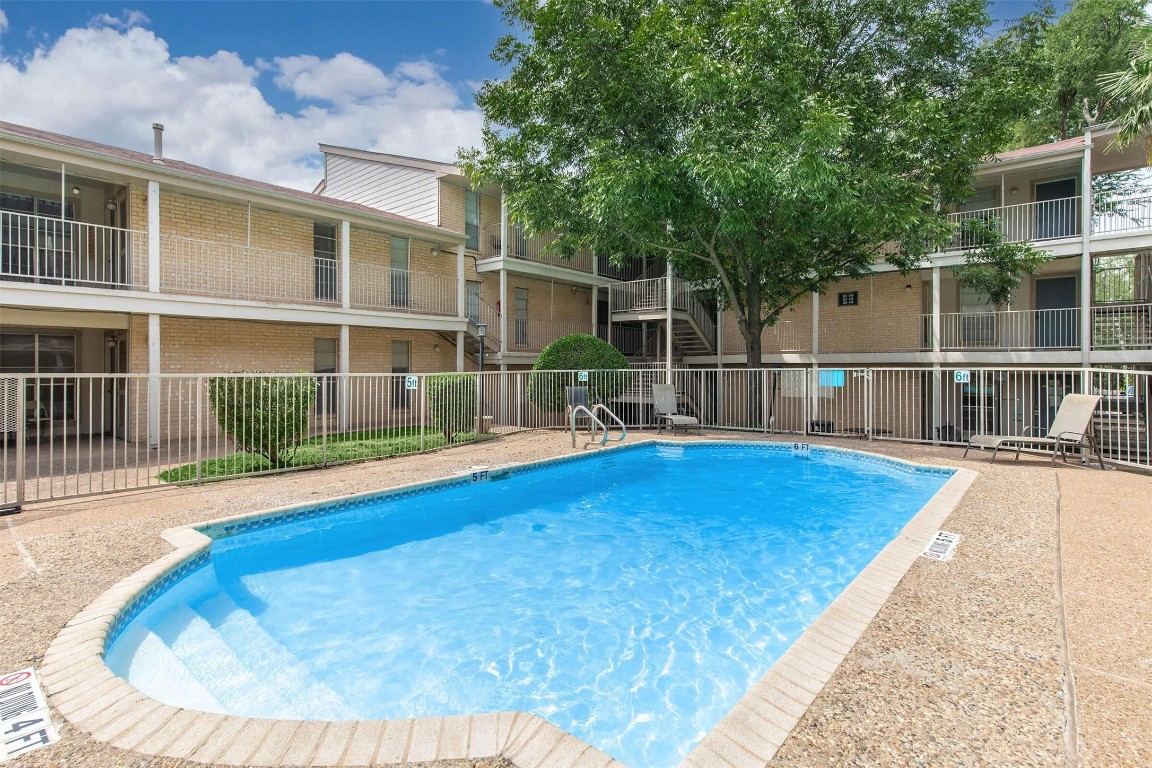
(85,691)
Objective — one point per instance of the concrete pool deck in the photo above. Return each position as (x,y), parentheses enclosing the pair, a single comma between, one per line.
(964,664)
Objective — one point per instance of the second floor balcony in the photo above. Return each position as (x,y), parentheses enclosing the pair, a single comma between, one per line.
(48,251)
(1048,220)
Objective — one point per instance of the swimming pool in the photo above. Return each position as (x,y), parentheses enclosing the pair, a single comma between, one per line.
(629,597)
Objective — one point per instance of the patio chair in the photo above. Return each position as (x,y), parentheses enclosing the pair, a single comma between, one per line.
(576,396)
(667,411)
(1071,428)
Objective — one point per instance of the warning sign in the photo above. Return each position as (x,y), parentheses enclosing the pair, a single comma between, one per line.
(25,723)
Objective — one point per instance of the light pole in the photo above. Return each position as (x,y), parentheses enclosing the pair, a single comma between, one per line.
(481,331)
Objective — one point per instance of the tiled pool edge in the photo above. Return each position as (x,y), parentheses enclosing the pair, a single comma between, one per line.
(89,695)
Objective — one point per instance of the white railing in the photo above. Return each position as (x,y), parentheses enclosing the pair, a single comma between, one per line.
(1013,329)
(526,335)
(1122,326)
(479,311)
(378,287)
(1023,222)
(56,251)
(89,433)
(203,267)
(652,295)
(530,249)
(628,339)
(1132,214)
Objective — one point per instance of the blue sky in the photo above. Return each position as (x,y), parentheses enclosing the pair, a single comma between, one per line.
(252,87)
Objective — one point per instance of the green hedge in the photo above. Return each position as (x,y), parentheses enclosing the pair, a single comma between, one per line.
(452,403)
(609,374)
(266,415)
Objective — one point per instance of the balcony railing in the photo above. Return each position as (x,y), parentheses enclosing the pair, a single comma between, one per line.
(1122,326)
(652,295)
(399,290)
(1054,219)
(526,335)
(40,249)
(1029,329)
(1130,215)
(203,267)
(530,249)
(1024,222)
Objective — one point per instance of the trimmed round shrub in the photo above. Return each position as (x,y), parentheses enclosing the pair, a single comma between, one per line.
(452,403)
(609,374)
(265,414)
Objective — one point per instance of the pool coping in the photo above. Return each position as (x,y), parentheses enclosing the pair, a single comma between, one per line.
(86,692)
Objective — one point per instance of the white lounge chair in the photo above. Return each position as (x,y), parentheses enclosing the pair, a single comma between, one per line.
(667,411)
(1071,428)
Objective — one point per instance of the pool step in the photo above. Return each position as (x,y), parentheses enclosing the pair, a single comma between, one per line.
(271,662)
(158,672)
(213,662)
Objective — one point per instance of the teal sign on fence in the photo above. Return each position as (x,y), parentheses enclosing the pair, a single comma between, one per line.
(832,378)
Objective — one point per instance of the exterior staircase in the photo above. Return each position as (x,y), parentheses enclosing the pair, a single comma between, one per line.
(693,326)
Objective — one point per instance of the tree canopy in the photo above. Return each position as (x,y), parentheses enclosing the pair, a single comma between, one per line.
(1132,86)
(1065,93)
(766,147)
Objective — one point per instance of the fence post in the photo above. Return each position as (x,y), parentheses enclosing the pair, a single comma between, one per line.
(869,400)
(21,438)
(324,420)
(422,401)
(199,426)
(937,404)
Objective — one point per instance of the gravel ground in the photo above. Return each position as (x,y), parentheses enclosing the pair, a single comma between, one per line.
(963,665)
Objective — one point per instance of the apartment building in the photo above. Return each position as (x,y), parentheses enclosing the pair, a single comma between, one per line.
(524,296)
(120,261)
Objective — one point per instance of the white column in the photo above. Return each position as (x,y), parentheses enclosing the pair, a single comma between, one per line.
(937,317)
(345,265)
(503,311)
(668,328)
(461,299)
(154,236)
(595,310)
(343,367)
(459,351)
(504,246)
(153,381)
(1086,252)
(815,323)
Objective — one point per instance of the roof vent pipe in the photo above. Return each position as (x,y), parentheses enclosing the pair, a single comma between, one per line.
(158,143)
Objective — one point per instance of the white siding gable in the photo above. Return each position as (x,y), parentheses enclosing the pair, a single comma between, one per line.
(397,189)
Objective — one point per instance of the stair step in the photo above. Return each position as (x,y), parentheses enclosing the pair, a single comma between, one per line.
(158,672)
(272,662)
(215,664)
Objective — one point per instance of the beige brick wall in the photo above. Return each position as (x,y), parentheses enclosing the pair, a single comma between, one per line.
(792,332)
(886,319)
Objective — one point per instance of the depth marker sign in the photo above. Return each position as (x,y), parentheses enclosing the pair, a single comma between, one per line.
(25,723)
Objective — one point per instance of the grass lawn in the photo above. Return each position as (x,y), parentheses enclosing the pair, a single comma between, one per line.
(352,446)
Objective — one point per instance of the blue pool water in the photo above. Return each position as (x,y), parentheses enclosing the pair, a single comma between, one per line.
(631,598)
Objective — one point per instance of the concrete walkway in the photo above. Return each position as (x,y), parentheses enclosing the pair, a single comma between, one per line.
(964,665)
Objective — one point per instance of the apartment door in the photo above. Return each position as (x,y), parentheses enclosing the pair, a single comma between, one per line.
(400,259)
(116,364)
(521,317)
(1057,321)
(325,260)
(1055,210)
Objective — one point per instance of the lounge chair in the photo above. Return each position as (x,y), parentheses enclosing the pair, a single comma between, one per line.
(667,412)
(1071,428)
(576,396)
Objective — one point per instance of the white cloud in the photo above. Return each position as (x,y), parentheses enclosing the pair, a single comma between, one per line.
(3,21)
(125,20)
(110,81)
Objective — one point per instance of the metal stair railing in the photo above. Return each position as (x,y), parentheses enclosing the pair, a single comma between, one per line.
(595,424)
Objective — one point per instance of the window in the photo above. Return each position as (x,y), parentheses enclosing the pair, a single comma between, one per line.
(521,317)
(398,247)
(325,361)
(473,295)
(327,265)
(401,364)
(472,219)
(52,356)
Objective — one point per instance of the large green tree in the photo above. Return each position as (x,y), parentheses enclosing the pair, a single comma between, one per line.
(1132,86)
(1091,39)
(766,147)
